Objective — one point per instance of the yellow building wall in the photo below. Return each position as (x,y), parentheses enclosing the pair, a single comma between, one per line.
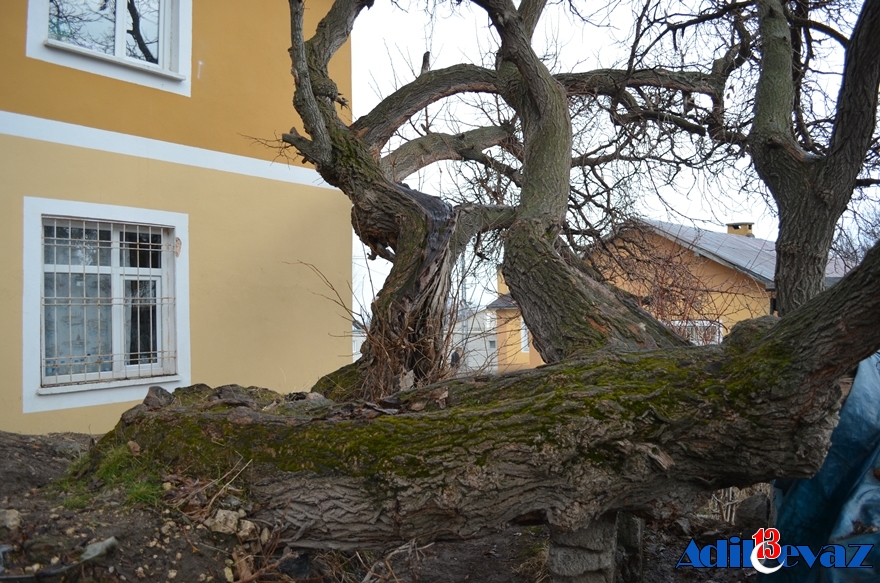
(509,338)
(256,316)
(241,82)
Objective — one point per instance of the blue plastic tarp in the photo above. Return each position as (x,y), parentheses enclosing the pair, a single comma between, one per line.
(841,503)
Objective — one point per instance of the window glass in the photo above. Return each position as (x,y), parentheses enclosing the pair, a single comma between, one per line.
(99,26)
(90,24)
(141,248)
(142,20)
(77,316)
(76,245)
(140,321)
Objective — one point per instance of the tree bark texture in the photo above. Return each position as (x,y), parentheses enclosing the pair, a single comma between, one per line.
(811,191)
(584,555)
(569,442)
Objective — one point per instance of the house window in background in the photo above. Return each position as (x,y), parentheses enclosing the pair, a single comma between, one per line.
(107,304)
(523,336)
(698,332)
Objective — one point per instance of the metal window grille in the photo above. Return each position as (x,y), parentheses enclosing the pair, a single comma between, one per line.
(699,332)
(107,305)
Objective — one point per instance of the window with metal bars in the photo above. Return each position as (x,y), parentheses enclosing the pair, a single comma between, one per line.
(699,332)
(107,309)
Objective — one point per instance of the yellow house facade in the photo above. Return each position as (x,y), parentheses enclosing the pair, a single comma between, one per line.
(150,235)
(513,339)
(698,282)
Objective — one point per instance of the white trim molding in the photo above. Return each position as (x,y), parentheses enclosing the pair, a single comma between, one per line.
(46,130)
(35,398)
(174,77)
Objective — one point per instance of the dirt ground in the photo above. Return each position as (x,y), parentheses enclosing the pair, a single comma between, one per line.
(45,529)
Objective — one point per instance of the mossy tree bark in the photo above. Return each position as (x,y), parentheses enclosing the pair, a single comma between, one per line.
(564,444)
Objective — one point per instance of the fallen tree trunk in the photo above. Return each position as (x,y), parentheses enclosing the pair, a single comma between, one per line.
(562,444)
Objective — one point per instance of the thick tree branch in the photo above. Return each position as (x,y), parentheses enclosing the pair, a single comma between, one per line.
(857,100)
(377,127)
(425,150)
(473,219)
(334,29)
(516,49)
(611,81)
(530,12)
(774,97)
(304,97)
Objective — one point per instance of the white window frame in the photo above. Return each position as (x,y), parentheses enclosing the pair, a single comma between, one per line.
(523,336)
(716,324)
(40,397)
(172,74)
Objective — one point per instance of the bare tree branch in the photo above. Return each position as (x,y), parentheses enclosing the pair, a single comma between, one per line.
(377,127)
(425,150)
(857,100)
(823,28)
(304,96)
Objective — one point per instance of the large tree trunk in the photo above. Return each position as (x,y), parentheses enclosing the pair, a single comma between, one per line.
(420,234)
(567,312)
(568,442)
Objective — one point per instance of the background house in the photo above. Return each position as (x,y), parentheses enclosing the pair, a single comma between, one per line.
(699,283)
(148,238)
(513,340)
